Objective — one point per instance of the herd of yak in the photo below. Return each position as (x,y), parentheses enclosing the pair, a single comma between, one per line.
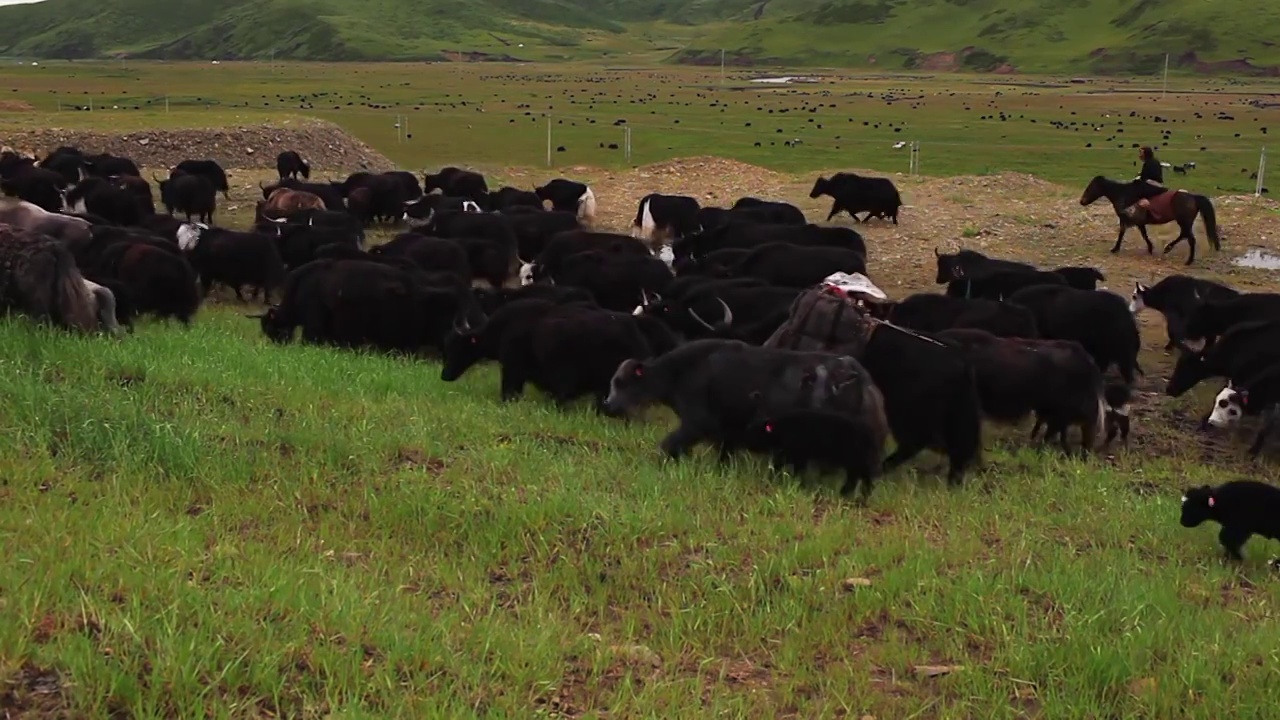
(721,314)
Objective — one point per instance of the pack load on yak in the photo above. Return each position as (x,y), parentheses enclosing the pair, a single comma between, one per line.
(831,316)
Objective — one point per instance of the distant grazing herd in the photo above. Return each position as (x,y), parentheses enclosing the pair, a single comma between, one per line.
(757,328)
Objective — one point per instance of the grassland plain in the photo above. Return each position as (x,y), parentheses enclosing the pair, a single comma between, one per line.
(198,523)
(496,116)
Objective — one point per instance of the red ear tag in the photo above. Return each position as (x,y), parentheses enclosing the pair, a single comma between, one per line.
(475,340)
(639,371)
(1210,502)
(1244,397)
(768,427)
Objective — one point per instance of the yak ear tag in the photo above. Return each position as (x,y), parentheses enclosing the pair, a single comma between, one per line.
(1211,502)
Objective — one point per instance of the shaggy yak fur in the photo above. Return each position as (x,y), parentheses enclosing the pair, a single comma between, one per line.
(39,278)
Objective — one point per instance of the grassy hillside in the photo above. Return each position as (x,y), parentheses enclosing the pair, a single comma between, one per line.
(1028,35)
(301,29)
(980,35)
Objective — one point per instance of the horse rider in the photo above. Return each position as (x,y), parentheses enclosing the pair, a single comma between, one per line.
(1152,170)
(1152,173)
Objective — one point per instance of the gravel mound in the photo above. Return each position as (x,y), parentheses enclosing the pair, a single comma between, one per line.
(326,146)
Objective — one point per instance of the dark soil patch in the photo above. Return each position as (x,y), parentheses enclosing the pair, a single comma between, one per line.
(34,692)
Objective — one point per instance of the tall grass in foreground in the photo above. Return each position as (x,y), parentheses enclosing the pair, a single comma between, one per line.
(196,523)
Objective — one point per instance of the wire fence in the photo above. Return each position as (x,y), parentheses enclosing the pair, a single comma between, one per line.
(944,140)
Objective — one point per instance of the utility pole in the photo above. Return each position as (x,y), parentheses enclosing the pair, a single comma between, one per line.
(721,67)
(548,139)
(1165,88)
(1262,169)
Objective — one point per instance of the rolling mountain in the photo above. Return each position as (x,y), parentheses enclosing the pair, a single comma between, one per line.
(1120,36)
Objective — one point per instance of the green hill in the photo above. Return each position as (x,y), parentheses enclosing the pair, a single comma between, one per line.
(981,35)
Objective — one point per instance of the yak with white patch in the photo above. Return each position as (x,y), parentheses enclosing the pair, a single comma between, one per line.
(1254,396)
(570,196)
(664,218)
(234,259)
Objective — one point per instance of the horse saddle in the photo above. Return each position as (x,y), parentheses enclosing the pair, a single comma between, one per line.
(1154,210)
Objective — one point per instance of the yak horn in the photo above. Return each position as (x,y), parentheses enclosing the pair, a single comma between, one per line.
(728,316)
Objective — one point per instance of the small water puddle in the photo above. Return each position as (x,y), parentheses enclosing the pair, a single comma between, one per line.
(786,80)
(1258,258)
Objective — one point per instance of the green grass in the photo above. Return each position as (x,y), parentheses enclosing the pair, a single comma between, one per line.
(1079,36)
(197,523)
(847,120)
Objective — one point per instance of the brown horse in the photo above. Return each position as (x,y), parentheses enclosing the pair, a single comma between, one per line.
(1161,206)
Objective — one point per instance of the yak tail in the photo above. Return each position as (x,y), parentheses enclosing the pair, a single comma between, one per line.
(587,207)
(105,301)
(638,229)
(1210,217)
(1100,429)
(73,307)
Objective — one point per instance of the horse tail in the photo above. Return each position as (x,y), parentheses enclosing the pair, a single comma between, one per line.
(73,307)
(1210,220)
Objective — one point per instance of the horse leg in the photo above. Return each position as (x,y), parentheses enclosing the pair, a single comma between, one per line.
(1151,249)
(1119,238)
(1189,231)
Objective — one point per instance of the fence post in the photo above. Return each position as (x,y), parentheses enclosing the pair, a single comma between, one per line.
(548,139)
(1262,169)
(626,143)
(166,104)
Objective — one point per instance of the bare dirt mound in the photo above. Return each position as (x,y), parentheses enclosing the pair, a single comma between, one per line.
(323,144)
